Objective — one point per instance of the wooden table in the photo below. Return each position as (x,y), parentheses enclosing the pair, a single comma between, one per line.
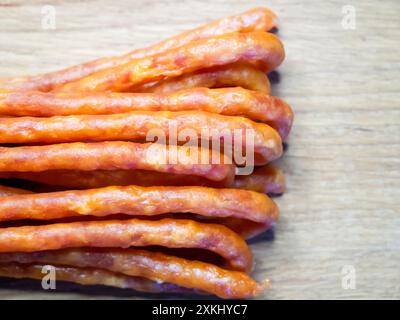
(341,212)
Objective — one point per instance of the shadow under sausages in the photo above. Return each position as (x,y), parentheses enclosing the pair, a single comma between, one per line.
(34,286)
(268,235)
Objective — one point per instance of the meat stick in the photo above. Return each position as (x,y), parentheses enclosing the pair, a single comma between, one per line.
(88,276)
(263,50)
(266,179)
(236,75)
(161,268)
(170,233)
(113,155)
(144,126)
(252,20)
(230,101)
(142,201)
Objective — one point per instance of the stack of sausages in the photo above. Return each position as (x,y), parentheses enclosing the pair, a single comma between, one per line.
(100,210)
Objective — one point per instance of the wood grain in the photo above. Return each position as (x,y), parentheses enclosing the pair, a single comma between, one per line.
(343,159)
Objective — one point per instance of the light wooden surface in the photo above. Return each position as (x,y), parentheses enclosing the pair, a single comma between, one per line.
(343,160)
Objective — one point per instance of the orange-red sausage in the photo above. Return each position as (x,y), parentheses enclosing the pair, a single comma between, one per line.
(142,201)
(140,126)
(237,75)
(266,179)
(159,267)
(134,232)
(264,50)
(254,19)
(88,276)
(112,155)
(230,101)
(247,226)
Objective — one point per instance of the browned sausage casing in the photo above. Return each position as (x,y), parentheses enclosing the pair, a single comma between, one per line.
(254,19)
(89,276)
(113,155)
(236,75)
(134,232)
(159,267)
(230,101)
(142,126)
(264,50)
(141,201)
(266,179)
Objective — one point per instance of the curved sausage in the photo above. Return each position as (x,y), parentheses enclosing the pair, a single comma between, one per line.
(264,50)
(170,233)
(254,19)
(113,155)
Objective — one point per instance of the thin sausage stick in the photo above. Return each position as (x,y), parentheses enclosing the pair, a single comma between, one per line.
(248,226)
(267,179)
(246,229)
(264,50)
(156,266)
(134,232)
(241,75)
(230,101)
(138,126)
(116,155)
(252,20)
(142,201)
(89,276)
